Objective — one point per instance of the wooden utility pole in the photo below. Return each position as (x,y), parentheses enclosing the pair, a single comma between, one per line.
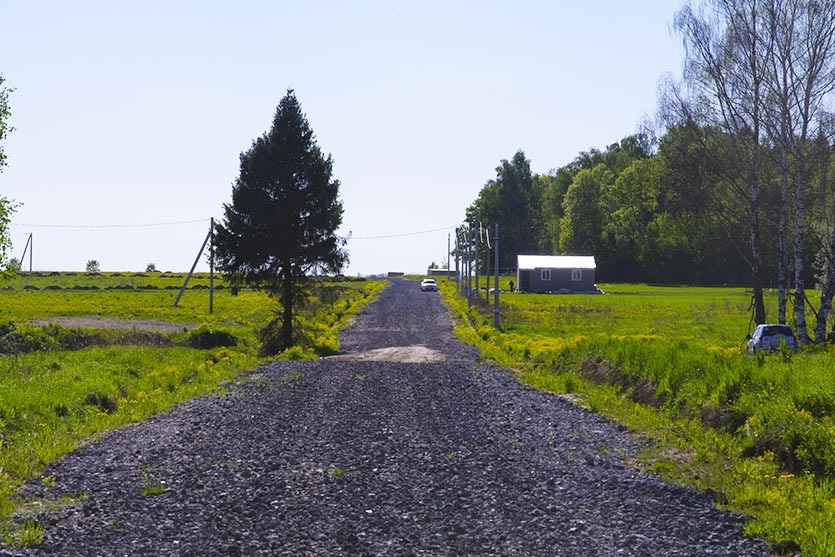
(487,270)
(477,226)
(496,317)
(28,247)
(196,261)
(212,265)
(457,258)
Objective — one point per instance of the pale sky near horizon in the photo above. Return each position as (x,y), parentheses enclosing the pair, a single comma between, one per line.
(130,117)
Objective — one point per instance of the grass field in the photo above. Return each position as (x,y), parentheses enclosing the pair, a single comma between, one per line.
(669,362)
(61,385)
(127,296)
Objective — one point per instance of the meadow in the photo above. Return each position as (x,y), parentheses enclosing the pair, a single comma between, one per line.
(137,355)
(756,432)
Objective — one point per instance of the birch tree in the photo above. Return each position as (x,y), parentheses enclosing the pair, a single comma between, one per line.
(814,76)
(801,76)
(7,206)
(762,71)
(725,74)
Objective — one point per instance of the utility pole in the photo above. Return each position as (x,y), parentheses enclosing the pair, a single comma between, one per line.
(212,265)
(477,238)
(191,272)
(28,247)
(496,317)
(468,264)
(487,270)
(457,257)
(447,257)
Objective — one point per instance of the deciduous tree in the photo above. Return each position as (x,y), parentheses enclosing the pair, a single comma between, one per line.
(6,210)
(582,223)
(5,113)
(6,206)
(513,201)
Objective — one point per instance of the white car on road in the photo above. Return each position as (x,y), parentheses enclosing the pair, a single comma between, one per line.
(428,285)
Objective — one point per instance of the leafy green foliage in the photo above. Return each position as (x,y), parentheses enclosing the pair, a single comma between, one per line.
(207,336)
(645,216)
(5,113)
(584,213)
(512,201)
(22,339)
(6,210)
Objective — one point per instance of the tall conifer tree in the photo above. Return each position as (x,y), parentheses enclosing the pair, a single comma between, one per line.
(280,227)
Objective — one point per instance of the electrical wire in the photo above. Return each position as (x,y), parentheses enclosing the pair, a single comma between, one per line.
(88,226)
(176,223)
(402,235)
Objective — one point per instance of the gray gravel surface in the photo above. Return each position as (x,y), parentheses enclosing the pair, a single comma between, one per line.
(338,457)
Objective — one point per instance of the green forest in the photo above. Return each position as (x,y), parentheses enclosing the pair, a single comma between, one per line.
(633,206)
(735,185)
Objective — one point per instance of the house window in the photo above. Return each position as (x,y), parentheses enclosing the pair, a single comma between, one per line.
(546,274)
(576,275)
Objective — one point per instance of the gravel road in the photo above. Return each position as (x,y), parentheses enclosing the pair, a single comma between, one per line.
(370,456)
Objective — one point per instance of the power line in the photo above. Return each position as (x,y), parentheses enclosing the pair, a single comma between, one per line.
(176,223)
(385,236)
(88,226)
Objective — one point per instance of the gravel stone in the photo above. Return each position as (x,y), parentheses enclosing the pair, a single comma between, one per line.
(364,457)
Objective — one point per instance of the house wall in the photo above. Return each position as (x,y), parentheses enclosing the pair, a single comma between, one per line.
(560,280)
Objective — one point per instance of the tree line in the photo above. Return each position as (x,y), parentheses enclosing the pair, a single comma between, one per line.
(625,204)
(737,188)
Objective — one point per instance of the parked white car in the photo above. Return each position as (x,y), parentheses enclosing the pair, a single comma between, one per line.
(428,285)
(769,337)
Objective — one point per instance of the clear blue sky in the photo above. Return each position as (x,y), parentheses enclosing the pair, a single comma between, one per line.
(130,114)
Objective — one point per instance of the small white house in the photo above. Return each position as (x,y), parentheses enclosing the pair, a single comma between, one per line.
(555,273)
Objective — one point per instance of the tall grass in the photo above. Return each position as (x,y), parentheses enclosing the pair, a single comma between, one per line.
(758,432)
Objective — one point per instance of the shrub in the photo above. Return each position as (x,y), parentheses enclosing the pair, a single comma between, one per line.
(105,403)
(205,337)
(23,339)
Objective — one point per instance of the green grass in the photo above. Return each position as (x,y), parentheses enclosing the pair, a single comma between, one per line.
(669,362)
(53,400)
(28,297)
(152,486)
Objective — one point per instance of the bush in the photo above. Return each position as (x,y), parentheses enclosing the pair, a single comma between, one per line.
(23,339)
(105,403)
(205,337)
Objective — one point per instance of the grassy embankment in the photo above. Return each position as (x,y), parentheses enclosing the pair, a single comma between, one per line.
(758,432)
(61,385)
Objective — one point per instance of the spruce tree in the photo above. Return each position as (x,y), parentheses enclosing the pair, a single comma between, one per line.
(280,227)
